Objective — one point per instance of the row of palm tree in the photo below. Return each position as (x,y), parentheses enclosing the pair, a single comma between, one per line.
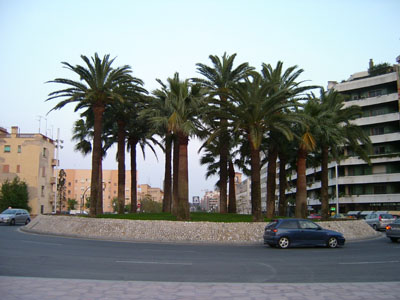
(245,118)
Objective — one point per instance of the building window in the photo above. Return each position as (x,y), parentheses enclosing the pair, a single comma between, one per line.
(19,149)
(43,171)
(380,189)
(18,168)
(7,148)
(377,131)
(379,149)
(375,93)
(44,152)
(6,168)
(42,191)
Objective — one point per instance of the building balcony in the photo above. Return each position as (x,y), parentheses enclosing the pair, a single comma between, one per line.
(373,100)
(55,162)
(392,117)
(365,82)
(384,138)
(364,179)
(53,180)
(377,198)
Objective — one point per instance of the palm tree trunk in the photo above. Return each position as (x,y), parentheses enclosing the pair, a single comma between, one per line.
(175,182)
(167,174)
(232,192)
(183,180)
(255,184)
(132,143)
(324,183)
(271,181)
(121,166)
(301,185)
(282,185)
(95,187)
(99,205)
(223,165)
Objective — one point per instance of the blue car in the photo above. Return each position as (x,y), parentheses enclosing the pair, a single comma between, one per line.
(298,232)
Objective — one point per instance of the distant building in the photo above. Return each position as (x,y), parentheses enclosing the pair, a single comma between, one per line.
(243,198)
(30,156)
(78,187)
(146,191)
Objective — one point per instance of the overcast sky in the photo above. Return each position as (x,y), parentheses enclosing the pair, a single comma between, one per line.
(330,40)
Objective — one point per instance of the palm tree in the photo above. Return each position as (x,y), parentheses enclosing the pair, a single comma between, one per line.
(95,90)
(185,101)
(333,130)
(219,80)
(287,81)
(254,111)
(122,113)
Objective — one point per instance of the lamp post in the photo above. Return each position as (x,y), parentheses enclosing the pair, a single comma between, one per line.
(58,146)
(337,188)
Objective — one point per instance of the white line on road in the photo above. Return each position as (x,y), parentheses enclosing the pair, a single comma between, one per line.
(152,262)
(370,262)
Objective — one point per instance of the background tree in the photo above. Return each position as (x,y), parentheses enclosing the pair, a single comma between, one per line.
(14,194)
(61,188)
(95,89)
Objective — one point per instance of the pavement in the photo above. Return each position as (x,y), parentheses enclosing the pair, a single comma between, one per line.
(20,288)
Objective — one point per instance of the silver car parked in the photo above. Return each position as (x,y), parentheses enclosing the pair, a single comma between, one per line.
(379,220)
(13,216)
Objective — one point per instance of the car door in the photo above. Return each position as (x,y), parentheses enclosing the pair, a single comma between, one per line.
(311,233)
(19,217)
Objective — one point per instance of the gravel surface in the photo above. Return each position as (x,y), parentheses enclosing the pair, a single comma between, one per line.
(169,231)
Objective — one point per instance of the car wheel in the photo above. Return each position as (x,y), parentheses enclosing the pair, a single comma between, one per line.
(332,242)
(12,222)
(27,221)
(375,227)
(394,240)
(283,242)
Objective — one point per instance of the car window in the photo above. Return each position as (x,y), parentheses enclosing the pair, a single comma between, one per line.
(289,224)
(9,211)
(397,221)
(387,216)
(307,225)
(272,224)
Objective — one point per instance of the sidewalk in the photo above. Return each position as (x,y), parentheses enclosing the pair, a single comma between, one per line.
(21,288)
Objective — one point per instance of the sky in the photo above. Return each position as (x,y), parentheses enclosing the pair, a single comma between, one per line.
(330,40)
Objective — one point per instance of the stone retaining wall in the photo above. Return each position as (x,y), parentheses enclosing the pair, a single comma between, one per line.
(169,231)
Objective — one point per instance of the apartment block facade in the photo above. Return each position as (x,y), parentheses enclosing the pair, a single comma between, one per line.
(361,186)
(78,188)
(30,156)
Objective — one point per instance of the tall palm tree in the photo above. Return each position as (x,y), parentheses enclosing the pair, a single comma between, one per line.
(122,113)
(254,111)
(185,101)
(219,78)
(95,89)
(287,81)
(333,130)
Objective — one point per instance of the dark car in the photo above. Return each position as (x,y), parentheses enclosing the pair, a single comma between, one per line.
(393,231)
(298,232)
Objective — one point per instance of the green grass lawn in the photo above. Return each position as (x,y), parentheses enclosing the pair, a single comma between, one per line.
(195,217)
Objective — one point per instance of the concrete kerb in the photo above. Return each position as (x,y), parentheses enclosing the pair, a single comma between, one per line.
(175,232)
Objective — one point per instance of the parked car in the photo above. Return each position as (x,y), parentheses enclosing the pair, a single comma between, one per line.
(393,230)
(299,232)
(314,216)
(365,213)
(354,214)
(13,216)
(379,220)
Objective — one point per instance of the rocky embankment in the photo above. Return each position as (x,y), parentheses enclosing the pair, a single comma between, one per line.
(168,231)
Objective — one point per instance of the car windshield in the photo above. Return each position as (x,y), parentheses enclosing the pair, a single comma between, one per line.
(9,212)
(387,216)
(272,224)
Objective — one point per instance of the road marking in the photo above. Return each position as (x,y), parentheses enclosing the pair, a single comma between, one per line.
(152,262)
(370,262)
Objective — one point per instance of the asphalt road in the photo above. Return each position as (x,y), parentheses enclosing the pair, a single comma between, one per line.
(29,255)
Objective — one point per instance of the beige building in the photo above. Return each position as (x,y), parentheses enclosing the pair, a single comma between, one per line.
(78,188)
(146,191)
(31,158)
